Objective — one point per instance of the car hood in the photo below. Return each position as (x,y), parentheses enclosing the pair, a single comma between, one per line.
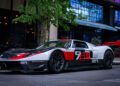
(13,52)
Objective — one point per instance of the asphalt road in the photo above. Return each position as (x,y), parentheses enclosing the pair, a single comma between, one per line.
(87,77)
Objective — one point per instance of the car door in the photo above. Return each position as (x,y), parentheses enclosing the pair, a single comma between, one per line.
(82,54)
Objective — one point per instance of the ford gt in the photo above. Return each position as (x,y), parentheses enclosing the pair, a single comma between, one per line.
(56,56)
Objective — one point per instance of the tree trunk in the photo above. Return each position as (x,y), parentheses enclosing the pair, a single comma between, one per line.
(43,34)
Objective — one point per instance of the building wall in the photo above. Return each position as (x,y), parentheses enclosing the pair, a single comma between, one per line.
(7,4)
(17,3)
(53,33)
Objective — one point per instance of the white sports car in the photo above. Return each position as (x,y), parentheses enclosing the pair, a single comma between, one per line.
(57,56)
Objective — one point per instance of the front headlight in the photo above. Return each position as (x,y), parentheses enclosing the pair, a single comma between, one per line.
(1,55)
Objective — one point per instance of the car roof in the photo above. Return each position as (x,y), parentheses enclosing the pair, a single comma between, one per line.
(66,40)
(70,40)
(78,40)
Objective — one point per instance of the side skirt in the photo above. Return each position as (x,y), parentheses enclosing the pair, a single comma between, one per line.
(73,65)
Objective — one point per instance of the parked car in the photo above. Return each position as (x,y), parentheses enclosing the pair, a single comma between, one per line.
(115,45)
(56,56)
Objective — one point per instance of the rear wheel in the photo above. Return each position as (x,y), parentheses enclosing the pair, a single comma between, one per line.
(108,60)
(57,62)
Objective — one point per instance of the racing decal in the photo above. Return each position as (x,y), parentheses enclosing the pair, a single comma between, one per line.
(82,55)
(19,56)
(69,56)
(77,55)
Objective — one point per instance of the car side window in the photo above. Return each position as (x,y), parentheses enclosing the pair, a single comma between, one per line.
(67,45)
(78,44)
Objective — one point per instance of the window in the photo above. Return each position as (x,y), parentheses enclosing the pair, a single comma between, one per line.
(117,1)
(78,44)
(87,11)
(117,18)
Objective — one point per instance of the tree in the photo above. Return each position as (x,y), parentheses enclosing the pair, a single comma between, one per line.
(46,12)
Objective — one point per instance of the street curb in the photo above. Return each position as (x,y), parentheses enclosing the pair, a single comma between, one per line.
(116,62)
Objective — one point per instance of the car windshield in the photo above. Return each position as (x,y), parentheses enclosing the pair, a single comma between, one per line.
(50,44)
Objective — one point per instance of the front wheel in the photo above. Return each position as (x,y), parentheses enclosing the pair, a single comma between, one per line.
(108,60)
(56,62)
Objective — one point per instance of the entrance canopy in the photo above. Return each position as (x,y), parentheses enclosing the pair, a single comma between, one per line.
(117,27)
(95,25)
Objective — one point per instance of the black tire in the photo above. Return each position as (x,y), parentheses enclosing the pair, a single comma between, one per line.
(108,60)
(57,62)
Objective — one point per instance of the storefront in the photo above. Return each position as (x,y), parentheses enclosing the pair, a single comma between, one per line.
(92,20)
(87,31)
(15,34)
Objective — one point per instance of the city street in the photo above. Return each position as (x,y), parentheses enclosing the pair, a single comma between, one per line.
(86,77)
(60,34)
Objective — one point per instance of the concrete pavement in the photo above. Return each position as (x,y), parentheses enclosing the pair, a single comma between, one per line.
(88,77)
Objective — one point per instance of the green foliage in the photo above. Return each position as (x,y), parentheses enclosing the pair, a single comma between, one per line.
(81,16)
(47,11)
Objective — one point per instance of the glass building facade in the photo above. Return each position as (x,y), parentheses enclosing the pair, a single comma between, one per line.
(96,12)
(87,11)
(117,18)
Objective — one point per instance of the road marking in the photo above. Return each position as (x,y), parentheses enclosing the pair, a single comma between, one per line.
(113,80)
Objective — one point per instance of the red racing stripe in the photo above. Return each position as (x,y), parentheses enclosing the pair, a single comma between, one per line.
(69,56)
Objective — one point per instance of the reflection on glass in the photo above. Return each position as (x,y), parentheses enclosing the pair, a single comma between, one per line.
(87,11)
(117,18)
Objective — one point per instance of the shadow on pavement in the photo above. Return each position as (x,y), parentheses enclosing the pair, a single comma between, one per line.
(48,73)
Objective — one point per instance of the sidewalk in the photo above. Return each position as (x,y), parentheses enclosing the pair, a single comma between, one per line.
(116,61)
